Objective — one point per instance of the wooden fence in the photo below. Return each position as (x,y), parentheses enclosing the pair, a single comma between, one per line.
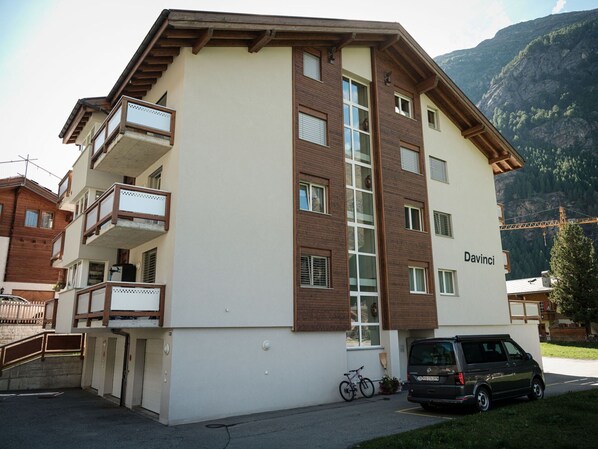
(22,313)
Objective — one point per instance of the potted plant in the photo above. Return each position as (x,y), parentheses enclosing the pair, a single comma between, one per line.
(389,385)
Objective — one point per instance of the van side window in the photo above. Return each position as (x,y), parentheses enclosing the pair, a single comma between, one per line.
(483,352)
(515,353)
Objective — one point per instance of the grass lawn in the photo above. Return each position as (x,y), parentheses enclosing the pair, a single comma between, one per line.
(567,350)
(557,422)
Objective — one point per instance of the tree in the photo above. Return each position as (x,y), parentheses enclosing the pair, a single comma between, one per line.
(574,266)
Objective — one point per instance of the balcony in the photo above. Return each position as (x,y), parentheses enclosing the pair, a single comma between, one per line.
(524,311)
(120,305)
(126,216)
(64,188)
(58,247)
(134,136)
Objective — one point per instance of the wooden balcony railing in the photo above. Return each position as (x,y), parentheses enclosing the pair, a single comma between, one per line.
(64,188)
(131,203)
(16,313)
(50,310)
(507,261)
(120,304)
(58,247)
(524,310)
(136,115)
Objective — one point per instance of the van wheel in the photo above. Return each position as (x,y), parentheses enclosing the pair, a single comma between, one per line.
(537,390)
(483,400)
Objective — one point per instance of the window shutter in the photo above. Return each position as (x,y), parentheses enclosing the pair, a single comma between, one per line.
(438,169)
(311,66)
(150,259)
(305,278)
(320,271)
(410,160)
(312,129)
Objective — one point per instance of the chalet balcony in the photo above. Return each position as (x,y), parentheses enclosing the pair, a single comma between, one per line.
(126,216)
(524,311)
(64,187)
(134,136)
(120,305)
(58,247)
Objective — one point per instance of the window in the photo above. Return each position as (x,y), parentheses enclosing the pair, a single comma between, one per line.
(312,197)
(446,282)
(433,118)
(403,105)
(442,224)
(438,169)
(31,217)
(314,271)
(312,129)
(1,207)
(96,273)
(515,352)
(148,262)
(154,181)
(162,100)
(417,280)
(47,220)
(410,160)
(413,218)
(74,276)
(311,66)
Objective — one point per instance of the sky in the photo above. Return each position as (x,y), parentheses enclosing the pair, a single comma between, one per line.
(53,52)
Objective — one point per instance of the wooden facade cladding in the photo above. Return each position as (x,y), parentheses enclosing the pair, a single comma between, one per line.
(321,309)
(30,248)
(400,248)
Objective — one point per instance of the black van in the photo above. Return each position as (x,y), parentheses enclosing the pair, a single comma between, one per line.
(471,370)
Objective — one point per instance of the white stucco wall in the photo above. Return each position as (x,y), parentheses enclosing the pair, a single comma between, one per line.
(470,198)
(219,372)
(233,263)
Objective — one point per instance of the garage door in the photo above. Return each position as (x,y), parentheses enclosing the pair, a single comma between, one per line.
(118,367)
(152,375)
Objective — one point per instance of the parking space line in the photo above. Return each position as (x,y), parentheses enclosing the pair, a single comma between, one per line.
(420,412)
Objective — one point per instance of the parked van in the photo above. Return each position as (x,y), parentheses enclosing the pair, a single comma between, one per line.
(471,370)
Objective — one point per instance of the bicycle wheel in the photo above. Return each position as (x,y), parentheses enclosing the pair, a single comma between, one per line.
(346,390)
(366,386)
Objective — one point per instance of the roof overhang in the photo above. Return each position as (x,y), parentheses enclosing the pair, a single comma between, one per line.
(21,181)
(176,29)
(80,115)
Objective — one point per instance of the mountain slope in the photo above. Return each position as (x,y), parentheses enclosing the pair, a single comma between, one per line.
(537,82)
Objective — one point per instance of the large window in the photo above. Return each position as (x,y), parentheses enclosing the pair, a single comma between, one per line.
(446,282)
(413,218)
(403,105)
(315,271)
(442,224)
(31,218)
(312,129)
(417,280)
(410,160)
(438,170)
(361,230)
(311,66)
(312,197)
(149,262)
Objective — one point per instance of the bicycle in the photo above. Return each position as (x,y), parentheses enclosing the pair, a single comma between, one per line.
(348,388)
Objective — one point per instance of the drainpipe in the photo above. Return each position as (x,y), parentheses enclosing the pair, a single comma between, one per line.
(123,384)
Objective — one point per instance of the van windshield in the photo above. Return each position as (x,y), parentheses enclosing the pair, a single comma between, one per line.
(432,354)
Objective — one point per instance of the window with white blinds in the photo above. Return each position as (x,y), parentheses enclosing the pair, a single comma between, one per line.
(446,282)
(311,66)
(314,271)
(149,261)
(442,224)
(410,160)
(312,129)
(438,169)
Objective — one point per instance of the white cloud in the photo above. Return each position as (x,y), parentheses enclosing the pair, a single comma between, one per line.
(560,5)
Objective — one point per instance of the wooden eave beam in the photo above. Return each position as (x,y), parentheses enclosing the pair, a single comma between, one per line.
(153,68)
(147,75)
(159,60)
(165,51)
(402,66)
(202,40)
(168,43)
(389,42)
(427,85)
(261,41)
(500,158)
(474,131)
(346,40)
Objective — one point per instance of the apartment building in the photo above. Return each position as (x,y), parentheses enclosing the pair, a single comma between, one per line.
(262,200)
(29,219)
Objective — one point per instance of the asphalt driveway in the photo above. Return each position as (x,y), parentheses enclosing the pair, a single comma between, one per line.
(78,419)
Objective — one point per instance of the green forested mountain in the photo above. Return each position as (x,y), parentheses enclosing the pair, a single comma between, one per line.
(538,83)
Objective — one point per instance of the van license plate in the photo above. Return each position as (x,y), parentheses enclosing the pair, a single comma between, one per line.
(427,378)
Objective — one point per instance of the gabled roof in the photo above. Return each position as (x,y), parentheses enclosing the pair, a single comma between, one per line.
(21,181)
(80,115)
(176,29)
(526,286)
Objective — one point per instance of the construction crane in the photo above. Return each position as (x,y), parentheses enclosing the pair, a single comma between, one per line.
(549,223)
